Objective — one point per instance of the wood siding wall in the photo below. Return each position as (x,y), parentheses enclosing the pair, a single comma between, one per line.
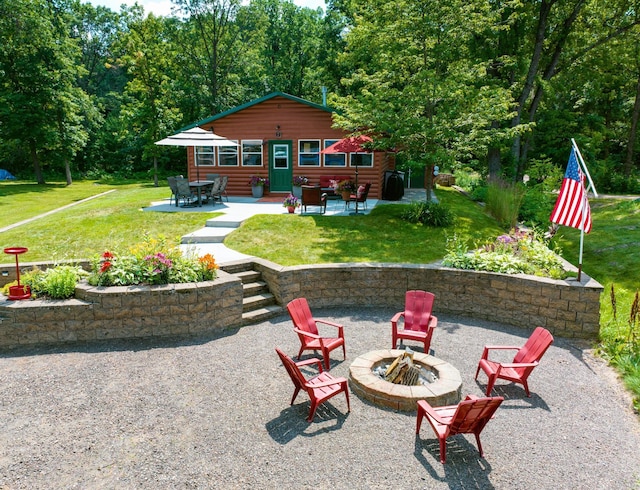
(297,121)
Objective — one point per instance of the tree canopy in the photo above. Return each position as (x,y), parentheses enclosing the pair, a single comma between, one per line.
(495,86)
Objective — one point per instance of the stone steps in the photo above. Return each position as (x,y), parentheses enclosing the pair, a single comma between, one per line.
(207,234)
(258,302)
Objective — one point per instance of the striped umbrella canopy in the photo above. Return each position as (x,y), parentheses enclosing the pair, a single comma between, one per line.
(196,137)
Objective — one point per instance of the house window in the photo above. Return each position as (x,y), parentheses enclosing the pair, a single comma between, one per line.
(309,153)
(228,156)
(334,159)
(361,159)
(252,153)
(205,156)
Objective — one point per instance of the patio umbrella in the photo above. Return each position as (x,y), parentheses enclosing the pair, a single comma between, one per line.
(352,144)
(196,137)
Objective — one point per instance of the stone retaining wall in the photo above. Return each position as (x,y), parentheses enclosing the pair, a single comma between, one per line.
(124,312)
(567,308)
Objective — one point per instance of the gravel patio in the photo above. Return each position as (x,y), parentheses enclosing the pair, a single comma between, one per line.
(214,413)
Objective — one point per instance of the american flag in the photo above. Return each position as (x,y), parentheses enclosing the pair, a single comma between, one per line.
(572,206)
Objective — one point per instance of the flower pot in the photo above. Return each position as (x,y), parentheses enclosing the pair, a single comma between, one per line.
(257,190)
(296,190)
(346,195)
(291,209)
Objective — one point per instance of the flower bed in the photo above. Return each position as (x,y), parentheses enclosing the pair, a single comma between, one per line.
(519,252)
(149,262)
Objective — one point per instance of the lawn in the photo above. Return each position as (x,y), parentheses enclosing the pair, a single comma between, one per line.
(21,200)
(380,236)
(113,221)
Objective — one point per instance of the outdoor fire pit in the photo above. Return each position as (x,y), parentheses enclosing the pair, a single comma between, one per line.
(445,389)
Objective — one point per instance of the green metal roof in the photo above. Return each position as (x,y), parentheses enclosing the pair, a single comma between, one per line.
(255,102)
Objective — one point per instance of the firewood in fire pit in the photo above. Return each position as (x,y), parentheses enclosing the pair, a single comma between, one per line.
(402,371)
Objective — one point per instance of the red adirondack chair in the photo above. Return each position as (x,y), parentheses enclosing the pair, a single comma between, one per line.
(418,320)
(468,417)
(320,387)
(307,329)
(518,370)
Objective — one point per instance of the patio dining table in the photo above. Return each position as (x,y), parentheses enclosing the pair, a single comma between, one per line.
(199,185)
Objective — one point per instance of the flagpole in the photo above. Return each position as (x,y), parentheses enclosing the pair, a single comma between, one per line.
(584,168)
(582,205)
(581,247)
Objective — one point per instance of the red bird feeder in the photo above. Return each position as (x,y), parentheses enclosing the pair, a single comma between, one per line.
(19,291)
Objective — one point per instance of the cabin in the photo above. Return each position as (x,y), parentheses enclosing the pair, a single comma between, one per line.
(280,137)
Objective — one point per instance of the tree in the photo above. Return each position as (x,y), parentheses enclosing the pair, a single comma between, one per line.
(150,110)
(565,32)
(416,85)
(210,48)
(40,105)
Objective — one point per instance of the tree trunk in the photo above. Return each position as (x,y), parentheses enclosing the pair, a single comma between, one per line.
(628,162)
(534,65)
(67,172)
(155,171)
(429,181)
(36,163)
(518,150)
(493,159)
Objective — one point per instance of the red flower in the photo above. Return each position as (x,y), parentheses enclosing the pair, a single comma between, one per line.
(105,266)
(107,255)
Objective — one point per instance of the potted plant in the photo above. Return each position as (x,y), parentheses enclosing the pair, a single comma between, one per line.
(291,202)
(257,184)
(297,183)
(346,188)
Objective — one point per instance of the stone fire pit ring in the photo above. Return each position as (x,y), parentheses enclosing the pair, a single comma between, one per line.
(446,390)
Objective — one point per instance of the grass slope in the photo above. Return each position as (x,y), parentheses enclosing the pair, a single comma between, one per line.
(111,222)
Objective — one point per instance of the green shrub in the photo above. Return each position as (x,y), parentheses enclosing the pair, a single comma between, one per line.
(479,194)
(536,207)
(544,174)
(428,213)
(56,283)
(468,179)
(5,288)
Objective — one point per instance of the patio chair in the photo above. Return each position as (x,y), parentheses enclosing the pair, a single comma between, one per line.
(320,387)
(214,192)
(361,195)
(312,195)
(307,329)
(468,417)
(222,190)
(184,192)
(174,190)
(518,370)
(418,322)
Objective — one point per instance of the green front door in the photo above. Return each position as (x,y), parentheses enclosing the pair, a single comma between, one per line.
(280,166)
